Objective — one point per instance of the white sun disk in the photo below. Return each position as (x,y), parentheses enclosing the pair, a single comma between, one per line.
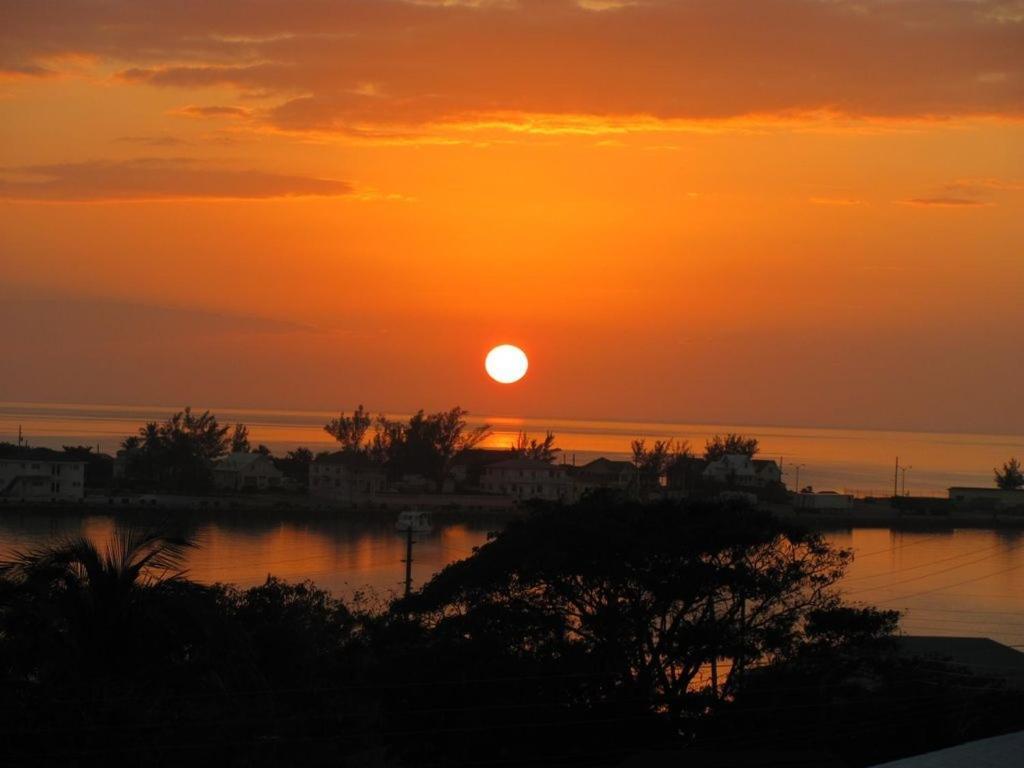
(506,364)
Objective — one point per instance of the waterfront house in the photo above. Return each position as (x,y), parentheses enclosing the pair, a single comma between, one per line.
(246,472)
(741,470)
(346,477)
(40,474)
(524,479)
(603,474)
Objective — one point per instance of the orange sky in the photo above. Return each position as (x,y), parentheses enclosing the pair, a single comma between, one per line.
(776,211)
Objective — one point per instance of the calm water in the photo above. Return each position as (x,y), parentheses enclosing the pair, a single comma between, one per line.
(856,461)
(960,582)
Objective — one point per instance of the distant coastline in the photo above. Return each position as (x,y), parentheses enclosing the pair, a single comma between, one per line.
(855,461)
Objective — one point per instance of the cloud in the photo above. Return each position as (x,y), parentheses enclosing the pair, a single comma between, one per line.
(193,110)
(153,141)
(465,61)
(946,202)
(154,179)
(17,72)
(835,201)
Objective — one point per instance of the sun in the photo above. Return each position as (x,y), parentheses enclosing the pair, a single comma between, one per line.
(506,364)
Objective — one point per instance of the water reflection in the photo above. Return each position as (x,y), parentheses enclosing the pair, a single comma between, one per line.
(946,582)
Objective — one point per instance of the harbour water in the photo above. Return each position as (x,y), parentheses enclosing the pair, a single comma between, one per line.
(855,461)
(946,582)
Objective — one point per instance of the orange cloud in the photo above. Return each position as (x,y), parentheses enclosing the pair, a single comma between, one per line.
(154,179)
(333,66)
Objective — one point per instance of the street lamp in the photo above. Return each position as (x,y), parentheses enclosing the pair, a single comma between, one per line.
(903,470)
(796,483)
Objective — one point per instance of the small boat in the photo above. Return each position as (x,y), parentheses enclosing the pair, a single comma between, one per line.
(414,520)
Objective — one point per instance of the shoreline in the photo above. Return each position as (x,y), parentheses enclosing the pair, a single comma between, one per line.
(298,509)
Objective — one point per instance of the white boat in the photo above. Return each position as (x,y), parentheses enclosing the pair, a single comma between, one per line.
(414,520)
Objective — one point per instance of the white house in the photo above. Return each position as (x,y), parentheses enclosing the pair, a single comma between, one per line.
(739,469)
(40,474)
(246,472)
(347,478)
(527,479)
(603,473)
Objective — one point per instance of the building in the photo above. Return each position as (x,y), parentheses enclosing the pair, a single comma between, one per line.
(468,467)
(246,472)
(989,499)
(40,474)
(348,478)
(603,474)
(741,470)
(524,479)
(822,500)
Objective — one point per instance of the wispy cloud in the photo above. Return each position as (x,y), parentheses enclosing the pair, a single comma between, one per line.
(946,202)
(155,179)
(835,201)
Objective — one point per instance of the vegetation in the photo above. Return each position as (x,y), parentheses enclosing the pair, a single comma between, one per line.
(350,431)
(576,636)
(177,454)
(525,447)
(658,462)
(1011,477)
(731,443)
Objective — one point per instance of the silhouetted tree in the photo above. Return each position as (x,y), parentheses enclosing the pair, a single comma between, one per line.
(525,447)
(731,443)
(654,463)
(240,439)
(425,444)
(295,466)
(176,454)
(350,431)
(649,595)
(1011,477)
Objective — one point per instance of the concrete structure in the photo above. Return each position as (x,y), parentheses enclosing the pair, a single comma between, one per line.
(528,479)
(246,472)
(822,500)
(346,478)
(997,752)
(987,498)
(739,469)
(40,474)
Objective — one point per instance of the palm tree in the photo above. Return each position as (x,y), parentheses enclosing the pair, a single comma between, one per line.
(91,604)
(132,559)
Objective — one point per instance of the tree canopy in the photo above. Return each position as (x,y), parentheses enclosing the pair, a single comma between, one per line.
(731,443)
(526,447)
(1012,475)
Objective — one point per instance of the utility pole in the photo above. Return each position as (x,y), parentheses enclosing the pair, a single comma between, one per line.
(896,479)
(408,561)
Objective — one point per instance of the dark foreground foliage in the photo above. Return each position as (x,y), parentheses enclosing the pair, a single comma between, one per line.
(576,637)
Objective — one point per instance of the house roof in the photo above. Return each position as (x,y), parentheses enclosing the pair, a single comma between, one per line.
(354,462)
(521,464)
(240,460)
(603,466)
(10,451)
(481,457)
